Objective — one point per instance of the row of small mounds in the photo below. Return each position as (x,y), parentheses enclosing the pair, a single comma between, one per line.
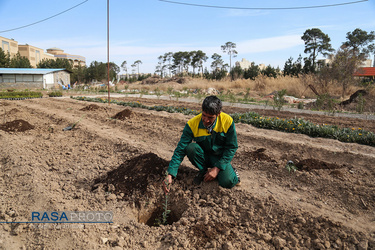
(122,115)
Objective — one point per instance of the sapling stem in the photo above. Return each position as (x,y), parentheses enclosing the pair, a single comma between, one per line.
(166,212)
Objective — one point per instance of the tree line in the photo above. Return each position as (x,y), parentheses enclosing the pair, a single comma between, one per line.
(342,64)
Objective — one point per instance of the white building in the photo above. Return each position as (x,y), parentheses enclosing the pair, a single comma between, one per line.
(245,64)
(20,78)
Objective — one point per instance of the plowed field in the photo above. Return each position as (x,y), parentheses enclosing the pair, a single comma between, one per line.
(114,160)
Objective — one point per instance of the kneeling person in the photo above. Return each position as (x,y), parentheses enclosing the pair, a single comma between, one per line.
(209,140)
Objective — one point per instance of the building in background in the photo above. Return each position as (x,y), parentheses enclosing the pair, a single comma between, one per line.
(36,55)
(20,78)
(76,59)
(327,61)
(9,46)
(245,64)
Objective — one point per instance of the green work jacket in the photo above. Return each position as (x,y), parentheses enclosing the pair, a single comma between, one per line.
(221,143)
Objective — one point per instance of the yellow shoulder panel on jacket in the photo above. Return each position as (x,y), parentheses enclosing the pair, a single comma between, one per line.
(194,124)
(223,123)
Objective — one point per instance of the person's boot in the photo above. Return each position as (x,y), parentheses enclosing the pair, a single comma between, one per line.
(238,177)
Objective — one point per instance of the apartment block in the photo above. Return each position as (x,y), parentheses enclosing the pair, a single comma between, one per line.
(9,46)
(76,59)
(35,54)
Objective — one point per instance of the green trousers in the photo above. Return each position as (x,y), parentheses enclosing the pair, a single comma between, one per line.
(227,178)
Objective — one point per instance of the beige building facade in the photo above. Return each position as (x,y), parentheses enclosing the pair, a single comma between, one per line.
(9,46)
(36,55)
(76,59)
(245,64)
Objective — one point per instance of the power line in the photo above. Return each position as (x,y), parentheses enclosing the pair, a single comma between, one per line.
(45,18)
(260,8)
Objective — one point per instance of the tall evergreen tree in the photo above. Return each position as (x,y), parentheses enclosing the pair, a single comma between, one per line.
(316,42)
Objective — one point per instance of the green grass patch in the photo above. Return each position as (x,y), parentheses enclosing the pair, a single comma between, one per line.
(19,95)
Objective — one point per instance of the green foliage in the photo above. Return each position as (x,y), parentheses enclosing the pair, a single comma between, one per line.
(79,74)
(278,99)
(19,61)
(291,167)
(55,94)
(360,104)
(98,71)
(4,59)
(143,92)
(58,63)
(293,68)
(229,96)
(252,72)
(246,97)
(158,92)
(316,42)
(170,92)
(270,71)
(361,42)
(236,73)
(325,102)
(229,48)
(302,126)
(300,105)
(18,95)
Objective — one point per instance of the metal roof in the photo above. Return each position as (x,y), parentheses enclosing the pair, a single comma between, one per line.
(365,71)
(28,71)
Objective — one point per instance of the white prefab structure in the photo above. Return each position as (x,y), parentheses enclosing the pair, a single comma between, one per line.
(29,78)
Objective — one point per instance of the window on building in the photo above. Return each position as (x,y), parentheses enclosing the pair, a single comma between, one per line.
(5,46)
(9,78)
(37,56)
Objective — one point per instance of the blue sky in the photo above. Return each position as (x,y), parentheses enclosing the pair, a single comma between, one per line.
(145,29)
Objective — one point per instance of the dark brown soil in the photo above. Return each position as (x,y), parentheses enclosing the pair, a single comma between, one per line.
(126,113)
(135,175)
(16,126)
(90,107)
(310,164)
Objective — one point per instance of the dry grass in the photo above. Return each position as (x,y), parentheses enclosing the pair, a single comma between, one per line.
(261,86)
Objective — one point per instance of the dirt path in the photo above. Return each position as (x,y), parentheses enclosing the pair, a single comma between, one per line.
(107,164)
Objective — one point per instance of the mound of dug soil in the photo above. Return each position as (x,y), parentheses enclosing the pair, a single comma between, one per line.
(122,115)
(90,107)
(134,175)
(16,126)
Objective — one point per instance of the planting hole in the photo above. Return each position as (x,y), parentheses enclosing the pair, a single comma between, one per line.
(311,164)
(153,217)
